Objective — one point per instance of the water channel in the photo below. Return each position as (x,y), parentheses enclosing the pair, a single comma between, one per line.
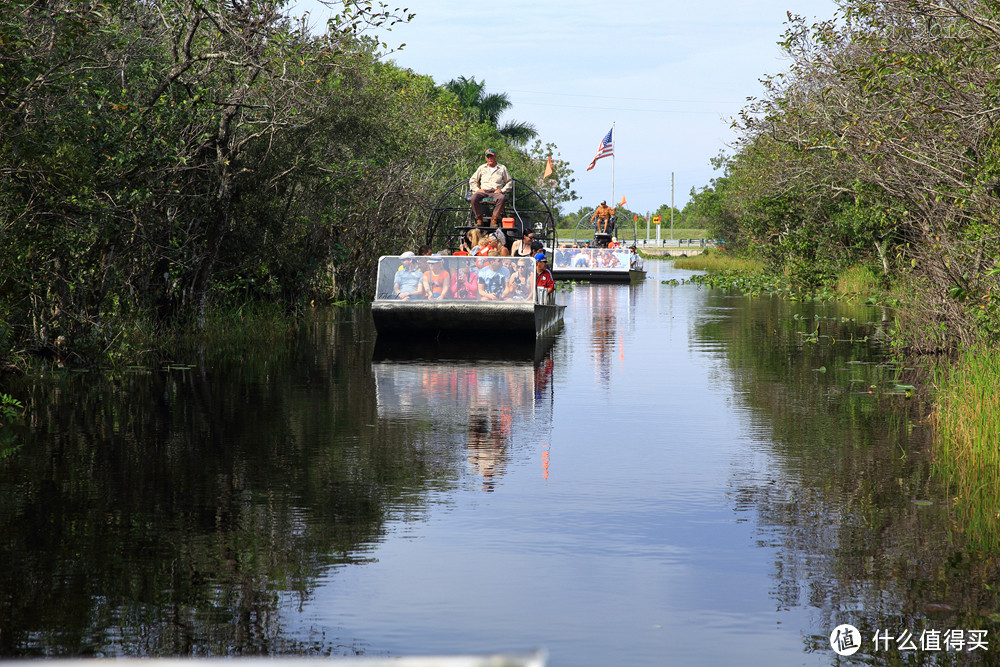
(683,476)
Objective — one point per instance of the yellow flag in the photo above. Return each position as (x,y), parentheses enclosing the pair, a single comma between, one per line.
(548,168)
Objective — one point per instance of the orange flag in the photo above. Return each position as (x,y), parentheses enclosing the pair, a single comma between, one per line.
(548,168)
(623,201)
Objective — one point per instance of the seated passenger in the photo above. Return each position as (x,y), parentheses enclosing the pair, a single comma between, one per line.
(522,247)
(491,280)
(471,242)
(408,282)
(501,241)
(490,180)
(437,282)
(496,242)
(519,284)
(465,283)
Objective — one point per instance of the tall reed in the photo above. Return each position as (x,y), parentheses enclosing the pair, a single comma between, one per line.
(967,442)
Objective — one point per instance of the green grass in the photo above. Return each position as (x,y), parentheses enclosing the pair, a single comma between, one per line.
(967,429)
(858,282)
(716,262)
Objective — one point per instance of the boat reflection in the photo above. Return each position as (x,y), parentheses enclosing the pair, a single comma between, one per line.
(490,407)
(612,319)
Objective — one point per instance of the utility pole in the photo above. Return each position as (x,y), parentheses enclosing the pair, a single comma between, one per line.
(671,206)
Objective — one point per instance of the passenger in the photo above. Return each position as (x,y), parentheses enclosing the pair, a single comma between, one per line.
(501,242)
(522,247)
(493,243)
(465,283)
(537,246)
(633,257)
(506,268)
(519,284)
(473,239)
(491,280)
(602,215)
(562,255)
(490,180)
(436,280)
(543,275)
(424,250)
(408,283)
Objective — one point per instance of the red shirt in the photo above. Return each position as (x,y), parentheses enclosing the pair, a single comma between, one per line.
(545,280)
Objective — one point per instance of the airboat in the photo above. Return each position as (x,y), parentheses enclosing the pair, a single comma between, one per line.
(609,257)
(492,295)
(464,298)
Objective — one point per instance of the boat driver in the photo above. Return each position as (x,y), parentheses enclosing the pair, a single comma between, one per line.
(490,180)
(602,215)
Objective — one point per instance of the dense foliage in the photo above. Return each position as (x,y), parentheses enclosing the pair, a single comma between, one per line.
(878,146)
(161,158)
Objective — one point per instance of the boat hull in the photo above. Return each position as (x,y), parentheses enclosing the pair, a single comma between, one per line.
(591,276)
(457,318)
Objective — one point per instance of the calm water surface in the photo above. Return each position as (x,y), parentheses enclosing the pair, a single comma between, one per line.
(681,477)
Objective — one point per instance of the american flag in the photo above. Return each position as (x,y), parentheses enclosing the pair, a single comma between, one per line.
(606,148)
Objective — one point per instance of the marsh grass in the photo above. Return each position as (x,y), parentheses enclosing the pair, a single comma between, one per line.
(967,443)
(715,262)
(239,328)
(858,282)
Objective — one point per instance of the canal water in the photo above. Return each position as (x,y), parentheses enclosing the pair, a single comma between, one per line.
(682,476)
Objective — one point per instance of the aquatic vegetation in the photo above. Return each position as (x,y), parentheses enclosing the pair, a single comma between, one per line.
(858,282)
(10,413)
(967,421)
(716,262)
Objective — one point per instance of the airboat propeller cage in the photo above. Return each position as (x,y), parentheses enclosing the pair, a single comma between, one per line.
(526,209)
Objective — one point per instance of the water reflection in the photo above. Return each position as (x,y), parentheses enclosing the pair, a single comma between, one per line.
(611,319)
(481,405)
(726,494)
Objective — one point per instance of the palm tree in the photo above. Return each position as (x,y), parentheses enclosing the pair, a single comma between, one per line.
(487,108)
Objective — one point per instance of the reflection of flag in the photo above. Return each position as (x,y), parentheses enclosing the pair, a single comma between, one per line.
(548,168)
(623,201)
(606,148)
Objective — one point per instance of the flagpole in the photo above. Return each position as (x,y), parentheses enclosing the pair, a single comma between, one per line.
(613,140)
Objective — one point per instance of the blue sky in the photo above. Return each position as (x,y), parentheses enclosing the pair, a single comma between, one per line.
(670,76)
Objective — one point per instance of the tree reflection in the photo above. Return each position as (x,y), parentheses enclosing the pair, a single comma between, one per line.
(861,533)
(179,512)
